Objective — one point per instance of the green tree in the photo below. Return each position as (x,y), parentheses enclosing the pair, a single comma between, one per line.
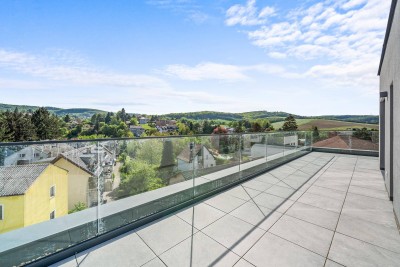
(78,207)
(134,121)
(67,118)
(137,177)
(290,124)
(16,126)
(47,125)
(167,158)
(150,151)
(315,133)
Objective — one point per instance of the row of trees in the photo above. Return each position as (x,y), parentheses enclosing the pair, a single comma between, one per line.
(40,125)
(43,125)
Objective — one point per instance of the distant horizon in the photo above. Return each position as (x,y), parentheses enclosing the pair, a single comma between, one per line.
(166,113)
(153,56)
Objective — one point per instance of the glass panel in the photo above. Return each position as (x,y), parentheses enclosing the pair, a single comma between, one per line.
(363,139)
(148,176)
(218,162)
(254,154)
(35,216)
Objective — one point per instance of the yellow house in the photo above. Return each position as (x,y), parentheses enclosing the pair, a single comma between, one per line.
(32,194)
(79,178)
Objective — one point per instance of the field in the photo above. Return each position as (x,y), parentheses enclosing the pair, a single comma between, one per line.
(307,124)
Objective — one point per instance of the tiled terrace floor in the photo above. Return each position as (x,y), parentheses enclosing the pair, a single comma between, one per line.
(340,216)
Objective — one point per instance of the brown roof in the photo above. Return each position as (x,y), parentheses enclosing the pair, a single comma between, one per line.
(347,142)
(185,154)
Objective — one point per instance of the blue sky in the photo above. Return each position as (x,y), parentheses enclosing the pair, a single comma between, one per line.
(162,56)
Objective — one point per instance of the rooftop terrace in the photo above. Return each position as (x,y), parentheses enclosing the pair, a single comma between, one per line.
(321,209)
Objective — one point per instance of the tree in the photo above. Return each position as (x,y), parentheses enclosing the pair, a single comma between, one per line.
(362,134)
(67,118)
(47,125)
(220,130)
(137,177)
(107,120)
(315,133)
(290,124)
(256,127)
(167,158)
(16,126)
(134,121)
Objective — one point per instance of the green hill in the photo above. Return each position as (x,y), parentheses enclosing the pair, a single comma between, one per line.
(77,112)
(272,116)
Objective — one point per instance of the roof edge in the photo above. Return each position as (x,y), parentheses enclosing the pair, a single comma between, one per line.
(388,29)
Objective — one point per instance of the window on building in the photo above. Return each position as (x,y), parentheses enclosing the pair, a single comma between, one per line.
(22,155)
(53,191)
(1,212)
(36,155)
(52,215)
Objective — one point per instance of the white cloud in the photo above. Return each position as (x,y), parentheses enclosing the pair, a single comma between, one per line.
(221,72)
(344,36)
(207,71)
(248,14)
(71,69)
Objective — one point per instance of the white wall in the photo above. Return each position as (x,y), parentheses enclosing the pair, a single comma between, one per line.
(390,73)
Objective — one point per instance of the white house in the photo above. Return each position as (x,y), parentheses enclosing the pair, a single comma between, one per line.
(24,156)
(143,120)
(292,140)
(199,158)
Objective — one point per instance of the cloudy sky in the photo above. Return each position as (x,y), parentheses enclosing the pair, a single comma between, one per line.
(306,57)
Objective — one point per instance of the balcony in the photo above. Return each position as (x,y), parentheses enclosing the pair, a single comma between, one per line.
(278,199)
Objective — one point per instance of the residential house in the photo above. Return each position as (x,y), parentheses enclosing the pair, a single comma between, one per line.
(199,158)
(24,156)
(80,180)
(34,153)
(143,120)
(31,194)
(137,130)
(389,69)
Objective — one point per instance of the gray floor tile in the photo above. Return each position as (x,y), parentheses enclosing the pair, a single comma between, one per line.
(382,194)
(273,202)
(256,215)
(376,234)
(256,185)
(275,251)
(280,191)
(242,192)
(333,184)
(322,202)
(318,216)
(267,178)
(370,209)
(330,263)
(203,215)
(128,250)
(327,192)
(225,202)
(70,262)
(283,184)
(156,262)
(304,234)
(243,263)
(164,234)
(295,184)
(352,252)
(201,251)
(234,234)
(372,184)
